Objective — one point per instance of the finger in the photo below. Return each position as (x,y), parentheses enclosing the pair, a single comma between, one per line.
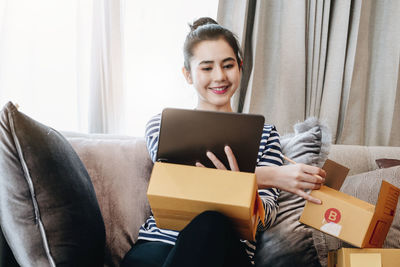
(217,163)
(198,164)
(314,179)
(304,185)
(313,170)
(319,178)
(308,197)
(231,159)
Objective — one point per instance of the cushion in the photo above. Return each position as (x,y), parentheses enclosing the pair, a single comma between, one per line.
(366,186)
(387,163)
(48,208)
(120,168)
(288,242)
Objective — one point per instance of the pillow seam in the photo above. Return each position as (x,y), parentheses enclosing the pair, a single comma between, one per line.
(32,191)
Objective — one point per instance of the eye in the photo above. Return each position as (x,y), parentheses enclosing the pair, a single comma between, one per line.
(229,66)
(206,68)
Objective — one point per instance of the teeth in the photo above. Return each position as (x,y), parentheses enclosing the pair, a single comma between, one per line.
(220,89)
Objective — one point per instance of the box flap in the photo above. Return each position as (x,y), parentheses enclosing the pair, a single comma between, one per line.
(258,214)
(335,174)
(259,209)
(383,216)
(387,200)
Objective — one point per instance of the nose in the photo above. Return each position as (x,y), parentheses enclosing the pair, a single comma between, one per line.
(219,74)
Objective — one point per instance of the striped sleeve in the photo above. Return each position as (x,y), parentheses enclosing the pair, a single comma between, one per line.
(270,154)
(151,135)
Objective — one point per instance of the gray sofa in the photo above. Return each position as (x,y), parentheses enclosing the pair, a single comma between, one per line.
(120,168)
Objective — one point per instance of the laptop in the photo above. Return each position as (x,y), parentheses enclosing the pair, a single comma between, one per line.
(186,135)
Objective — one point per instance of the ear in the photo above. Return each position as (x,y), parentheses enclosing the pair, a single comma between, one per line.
(188,75)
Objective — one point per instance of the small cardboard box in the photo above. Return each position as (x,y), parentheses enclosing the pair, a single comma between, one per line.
(352,220)
(366,257)
(177,193)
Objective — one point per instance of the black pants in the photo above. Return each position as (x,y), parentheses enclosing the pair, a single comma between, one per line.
(208,240)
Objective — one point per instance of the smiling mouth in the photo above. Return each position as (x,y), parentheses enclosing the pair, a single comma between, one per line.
(220,90)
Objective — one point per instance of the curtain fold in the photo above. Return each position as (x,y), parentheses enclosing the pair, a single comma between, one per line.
(241,22)
(317,24)
(370,114)
(106,97)
(338,67)
(335,60)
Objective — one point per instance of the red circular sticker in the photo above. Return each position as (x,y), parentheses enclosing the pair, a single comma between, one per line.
(332,215)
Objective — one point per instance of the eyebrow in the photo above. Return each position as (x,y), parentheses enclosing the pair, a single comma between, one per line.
(211,61)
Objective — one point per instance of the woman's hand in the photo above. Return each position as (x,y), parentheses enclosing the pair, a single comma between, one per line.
(293,178)
(218,164)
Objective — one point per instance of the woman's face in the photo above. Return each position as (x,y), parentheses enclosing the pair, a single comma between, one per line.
(214,73)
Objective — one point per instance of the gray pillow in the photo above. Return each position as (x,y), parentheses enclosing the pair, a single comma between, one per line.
(365,186)
(288,242)
(49,213)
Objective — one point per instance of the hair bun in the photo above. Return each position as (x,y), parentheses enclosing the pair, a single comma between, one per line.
(200,22)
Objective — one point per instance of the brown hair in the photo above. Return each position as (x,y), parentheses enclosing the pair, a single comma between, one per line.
(204,29)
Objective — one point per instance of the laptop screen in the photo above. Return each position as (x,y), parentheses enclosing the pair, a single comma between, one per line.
(186,136)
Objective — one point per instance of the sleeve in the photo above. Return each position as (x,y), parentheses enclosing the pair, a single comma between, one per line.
(270,154)
(151,135)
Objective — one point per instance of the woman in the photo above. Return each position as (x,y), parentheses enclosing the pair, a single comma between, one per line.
(213,65)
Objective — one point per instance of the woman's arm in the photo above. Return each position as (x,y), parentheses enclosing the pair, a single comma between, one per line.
(292,178)
(151,135)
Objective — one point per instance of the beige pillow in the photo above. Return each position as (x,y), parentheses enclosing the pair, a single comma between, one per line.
(119,168)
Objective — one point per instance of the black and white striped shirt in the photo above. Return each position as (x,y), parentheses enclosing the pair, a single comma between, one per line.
(269,154)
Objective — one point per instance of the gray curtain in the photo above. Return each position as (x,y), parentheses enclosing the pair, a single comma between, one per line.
(335,60)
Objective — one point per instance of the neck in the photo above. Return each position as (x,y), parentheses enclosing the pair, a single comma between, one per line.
(225,108)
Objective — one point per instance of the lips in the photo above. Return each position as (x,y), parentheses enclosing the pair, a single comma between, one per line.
(220,89)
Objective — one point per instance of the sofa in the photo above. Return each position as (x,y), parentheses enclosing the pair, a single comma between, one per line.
(119,168)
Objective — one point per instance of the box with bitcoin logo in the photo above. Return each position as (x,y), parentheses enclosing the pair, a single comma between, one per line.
(348,218)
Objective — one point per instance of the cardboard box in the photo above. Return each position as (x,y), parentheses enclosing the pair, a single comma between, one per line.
(366,257)
(352,220)
(178,193)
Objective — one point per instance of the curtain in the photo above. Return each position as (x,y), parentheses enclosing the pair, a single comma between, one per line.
(335,60)
(62,62)
(106,97)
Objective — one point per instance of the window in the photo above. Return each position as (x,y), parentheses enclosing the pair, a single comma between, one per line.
(45,51)
(41,58)
(154,35)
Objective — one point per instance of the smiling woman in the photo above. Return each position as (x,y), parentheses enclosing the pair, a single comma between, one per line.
(215,80)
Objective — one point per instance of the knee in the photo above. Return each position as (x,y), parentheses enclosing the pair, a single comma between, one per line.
(215,220)
(212,215)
